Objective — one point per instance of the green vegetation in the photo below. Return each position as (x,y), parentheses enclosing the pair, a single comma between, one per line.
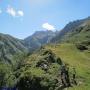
(7,77)
(8,71)
(75,58)
(39,71)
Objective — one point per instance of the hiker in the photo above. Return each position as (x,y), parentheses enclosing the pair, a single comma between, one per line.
(74,76)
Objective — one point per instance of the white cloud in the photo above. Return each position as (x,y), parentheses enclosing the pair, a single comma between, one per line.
(11,11)
(15,13)
(20,13)
(48,26)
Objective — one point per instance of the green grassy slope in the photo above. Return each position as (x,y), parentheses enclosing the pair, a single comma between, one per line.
(81,34)
(75,58)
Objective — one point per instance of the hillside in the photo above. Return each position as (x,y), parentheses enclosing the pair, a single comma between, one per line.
(76,30)
(9,47)
(73,46)
(12,53)
(79,35)
(33,73)
(70,54)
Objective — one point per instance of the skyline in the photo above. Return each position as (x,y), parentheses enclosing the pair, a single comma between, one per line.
(22,18)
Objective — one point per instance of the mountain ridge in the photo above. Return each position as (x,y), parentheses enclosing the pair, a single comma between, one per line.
(9,46)
(70,27)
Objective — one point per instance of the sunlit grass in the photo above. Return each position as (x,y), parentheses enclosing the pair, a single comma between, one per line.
(75,58)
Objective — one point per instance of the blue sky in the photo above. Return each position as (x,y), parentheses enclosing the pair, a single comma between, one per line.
(21,18)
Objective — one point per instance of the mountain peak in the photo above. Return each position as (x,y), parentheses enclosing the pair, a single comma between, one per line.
(39,38)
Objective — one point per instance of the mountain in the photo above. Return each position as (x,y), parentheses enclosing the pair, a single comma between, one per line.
(41,70)
(38,39)
(9,47)
(76,30)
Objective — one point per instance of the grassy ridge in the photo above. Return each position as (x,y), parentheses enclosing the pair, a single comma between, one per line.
(75,58)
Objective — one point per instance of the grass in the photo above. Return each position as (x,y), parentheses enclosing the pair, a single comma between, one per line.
(75,58)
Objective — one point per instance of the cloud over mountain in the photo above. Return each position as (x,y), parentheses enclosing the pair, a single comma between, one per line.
(48,26)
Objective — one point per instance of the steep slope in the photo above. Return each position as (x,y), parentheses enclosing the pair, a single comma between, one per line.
(72,44)
(12,53)
(79,29)
(80,34)
(77,59)
(9,47)
(38,39)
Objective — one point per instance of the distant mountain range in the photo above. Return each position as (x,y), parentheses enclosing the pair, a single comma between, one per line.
(38,39)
